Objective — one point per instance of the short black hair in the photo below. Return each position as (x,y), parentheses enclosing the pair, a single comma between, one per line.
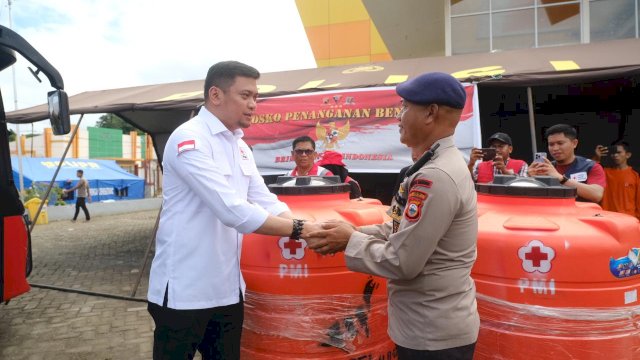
(568,131)
(223,74)
(625,145)
(303,138)
(80,171)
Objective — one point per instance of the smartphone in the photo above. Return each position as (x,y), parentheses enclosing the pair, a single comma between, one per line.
(612,149)
(539,157)
(488,154)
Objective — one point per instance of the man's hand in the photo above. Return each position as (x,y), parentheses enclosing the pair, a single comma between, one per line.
(544,168)
(498,162)
(333,238)
(599,152)
(474,155)
(309,227)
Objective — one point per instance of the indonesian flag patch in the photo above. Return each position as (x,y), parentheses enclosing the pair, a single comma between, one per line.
(416,199)
(186,145)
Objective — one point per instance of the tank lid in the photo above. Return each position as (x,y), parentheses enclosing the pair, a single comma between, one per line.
(309,185)
(535,187)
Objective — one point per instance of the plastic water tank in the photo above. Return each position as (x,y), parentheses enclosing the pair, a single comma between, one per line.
(301,305)
(556,278)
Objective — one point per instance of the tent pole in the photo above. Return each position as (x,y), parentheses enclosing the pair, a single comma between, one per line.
(145,260)
(532,121)
(53,179)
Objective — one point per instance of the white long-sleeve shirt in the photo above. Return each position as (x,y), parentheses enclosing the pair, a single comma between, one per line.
(212,194)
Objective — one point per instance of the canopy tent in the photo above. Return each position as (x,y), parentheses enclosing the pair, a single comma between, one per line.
(158,109)
(107,180)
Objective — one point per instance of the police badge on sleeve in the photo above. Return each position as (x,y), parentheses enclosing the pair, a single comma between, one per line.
(413,210)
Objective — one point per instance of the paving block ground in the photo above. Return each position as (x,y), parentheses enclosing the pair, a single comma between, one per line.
(103,255)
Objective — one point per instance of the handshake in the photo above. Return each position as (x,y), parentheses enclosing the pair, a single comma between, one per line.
(327,237)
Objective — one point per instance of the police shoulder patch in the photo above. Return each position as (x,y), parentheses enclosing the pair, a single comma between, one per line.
(413,210)
(418,182)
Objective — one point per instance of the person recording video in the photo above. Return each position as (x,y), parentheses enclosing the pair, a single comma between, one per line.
(495,160)
(585,175)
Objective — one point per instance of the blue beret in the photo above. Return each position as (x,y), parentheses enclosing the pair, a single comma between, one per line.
(433,88)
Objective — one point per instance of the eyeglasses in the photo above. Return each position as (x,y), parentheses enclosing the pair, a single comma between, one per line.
(307,152)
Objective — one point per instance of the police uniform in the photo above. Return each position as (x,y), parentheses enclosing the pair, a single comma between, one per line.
(212,194)
(428,249)
(428,259)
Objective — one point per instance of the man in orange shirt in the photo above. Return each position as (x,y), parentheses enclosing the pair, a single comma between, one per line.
(622,193)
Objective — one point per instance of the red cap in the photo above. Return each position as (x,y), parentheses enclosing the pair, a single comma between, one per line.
(331,158)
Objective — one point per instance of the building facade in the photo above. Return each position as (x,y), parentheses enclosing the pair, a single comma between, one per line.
(361,31)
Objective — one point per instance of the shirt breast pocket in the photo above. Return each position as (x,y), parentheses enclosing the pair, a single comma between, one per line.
(247,167)
(221,162)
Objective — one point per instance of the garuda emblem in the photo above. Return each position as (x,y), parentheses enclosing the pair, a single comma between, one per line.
(331,134)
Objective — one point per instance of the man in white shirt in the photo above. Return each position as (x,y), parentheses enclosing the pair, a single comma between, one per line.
(212,195)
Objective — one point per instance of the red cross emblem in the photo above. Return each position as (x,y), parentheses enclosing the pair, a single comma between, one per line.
(536,256)
(292,249)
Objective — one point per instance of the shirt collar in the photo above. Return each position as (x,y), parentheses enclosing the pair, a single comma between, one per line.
(312,172)
(444,143)
(216,126)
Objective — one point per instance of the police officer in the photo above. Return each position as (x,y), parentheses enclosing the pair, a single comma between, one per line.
(212,194)
(428,248)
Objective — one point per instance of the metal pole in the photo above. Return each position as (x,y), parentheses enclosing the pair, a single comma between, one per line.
(146,254)
(46,195)
(532,121)
(15,107)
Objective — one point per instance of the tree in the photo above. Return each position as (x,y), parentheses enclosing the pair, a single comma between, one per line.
(12,135)
(112,121)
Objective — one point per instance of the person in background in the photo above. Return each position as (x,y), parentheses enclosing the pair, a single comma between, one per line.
(622,193)
(332,161)
(212,195)
(83,195)
(67,195)
(304,154)
(501,164)
(585,175)
(428,248)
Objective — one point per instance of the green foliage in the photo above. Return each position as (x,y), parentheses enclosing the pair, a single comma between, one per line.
(36,191)
(112,121)
(12,135)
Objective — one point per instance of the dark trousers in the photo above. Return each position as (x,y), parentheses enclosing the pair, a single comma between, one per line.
(456,353)
(214,332)
(80,203)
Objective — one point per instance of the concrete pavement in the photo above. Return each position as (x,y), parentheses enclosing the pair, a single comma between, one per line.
(103,255)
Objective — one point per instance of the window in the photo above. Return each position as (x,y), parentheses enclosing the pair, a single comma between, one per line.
(613,19)
(470,34)
(494,25)
(558,25)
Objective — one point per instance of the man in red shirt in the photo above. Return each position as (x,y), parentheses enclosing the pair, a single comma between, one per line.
(585,175)
(304,154)
(501,164)
(622,193)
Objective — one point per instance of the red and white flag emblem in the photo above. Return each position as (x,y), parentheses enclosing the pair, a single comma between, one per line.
(186,145)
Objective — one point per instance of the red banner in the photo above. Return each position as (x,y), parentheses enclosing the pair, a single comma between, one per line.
(362,124)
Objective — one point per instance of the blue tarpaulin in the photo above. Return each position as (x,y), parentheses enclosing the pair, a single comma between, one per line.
(106,179)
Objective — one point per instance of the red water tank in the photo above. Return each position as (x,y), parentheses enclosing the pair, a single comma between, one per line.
(555,278)
(301,305)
